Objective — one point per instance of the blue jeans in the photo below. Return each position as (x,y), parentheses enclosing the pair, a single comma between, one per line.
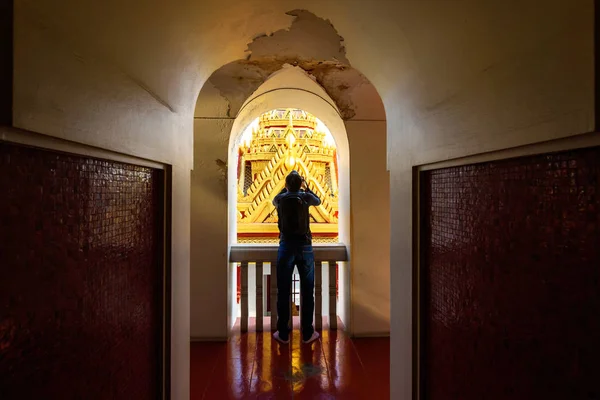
(301,255)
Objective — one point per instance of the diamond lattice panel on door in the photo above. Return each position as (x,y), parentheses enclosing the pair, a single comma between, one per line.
(80,277)
(511,279)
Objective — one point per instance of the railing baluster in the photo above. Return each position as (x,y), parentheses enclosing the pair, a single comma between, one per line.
(273,292)
(259,296)
(318,295)
(291,321)
(324,281)
(332,296)
(300,306)
(244,296)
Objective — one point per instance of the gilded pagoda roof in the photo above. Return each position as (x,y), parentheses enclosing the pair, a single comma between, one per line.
(283,140)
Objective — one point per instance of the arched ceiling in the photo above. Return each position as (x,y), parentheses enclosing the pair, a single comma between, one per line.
(298,90)
(438,65)
(293,78)
(173,47)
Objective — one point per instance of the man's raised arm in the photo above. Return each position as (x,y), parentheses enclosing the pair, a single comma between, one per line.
(311,198)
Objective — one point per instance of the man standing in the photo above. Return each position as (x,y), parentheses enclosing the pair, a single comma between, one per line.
(295,248)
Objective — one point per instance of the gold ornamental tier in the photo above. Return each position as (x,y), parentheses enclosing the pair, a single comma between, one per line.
(282,141)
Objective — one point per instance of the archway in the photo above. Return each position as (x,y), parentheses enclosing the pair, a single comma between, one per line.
(262,155)
(366,312)
(291,87)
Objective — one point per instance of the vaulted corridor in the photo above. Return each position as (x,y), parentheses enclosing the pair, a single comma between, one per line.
(455,145)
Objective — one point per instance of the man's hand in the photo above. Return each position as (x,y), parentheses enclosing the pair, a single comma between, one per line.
(304,184)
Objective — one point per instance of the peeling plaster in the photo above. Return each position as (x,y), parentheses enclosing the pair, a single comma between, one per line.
(308,38)
(311,43)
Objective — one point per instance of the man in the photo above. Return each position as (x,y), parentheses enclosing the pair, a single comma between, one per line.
(295,248)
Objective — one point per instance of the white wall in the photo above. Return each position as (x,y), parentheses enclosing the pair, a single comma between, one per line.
(370,228)
(208,219)
(210,274)
(61,90)
(531,83)
(212,279)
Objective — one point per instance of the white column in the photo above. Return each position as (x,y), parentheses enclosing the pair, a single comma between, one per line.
(291,321)
(252,289)
(259,296)
(325,289)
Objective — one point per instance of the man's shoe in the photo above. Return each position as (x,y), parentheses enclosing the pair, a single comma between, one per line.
(314,337)
(279,339)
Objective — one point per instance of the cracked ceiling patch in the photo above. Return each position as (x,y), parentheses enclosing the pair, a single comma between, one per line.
(311,43)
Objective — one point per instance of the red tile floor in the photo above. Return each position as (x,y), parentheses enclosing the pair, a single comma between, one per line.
(254,366)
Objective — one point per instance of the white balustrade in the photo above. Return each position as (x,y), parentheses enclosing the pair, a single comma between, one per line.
(326,258)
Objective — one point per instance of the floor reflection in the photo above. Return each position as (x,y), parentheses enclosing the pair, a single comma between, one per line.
(254,366)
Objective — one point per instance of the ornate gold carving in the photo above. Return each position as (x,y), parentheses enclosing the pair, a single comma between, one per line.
(286,139)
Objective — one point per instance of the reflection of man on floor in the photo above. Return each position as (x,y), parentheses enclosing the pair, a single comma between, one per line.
(295,248)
